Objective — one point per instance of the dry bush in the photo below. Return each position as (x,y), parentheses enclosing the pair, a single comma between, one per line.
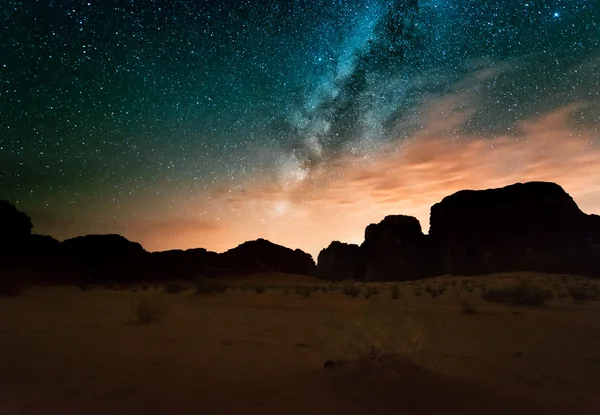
(418,291)
(384,340)
(303,290)
(150,307)
(467,307)
(259,288)
(370,291)
(174,287)
(210,285)
(520,293)
(584,293)
(433,291)
(395,292)
(352,291)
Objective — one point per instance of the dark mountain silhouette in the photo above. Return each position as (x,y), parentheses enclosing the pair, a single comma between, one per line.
(184,264)
(532,226)
(15,229)
(261,255)
(395,249)
(340,261)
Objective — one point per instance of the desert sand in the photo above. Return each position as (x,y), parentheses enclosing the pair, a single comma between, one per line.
(67,351)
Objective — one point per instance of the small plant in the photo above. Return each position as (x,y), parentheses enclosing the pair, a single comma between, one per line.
(150,307)
(259,288)
(395,292)
(469,289)
(433,291)
(174,287)
(210,285)
(324,289)
(418,291)
(521,293)
(584,293)
(467,307)
(303,291)
(352,291)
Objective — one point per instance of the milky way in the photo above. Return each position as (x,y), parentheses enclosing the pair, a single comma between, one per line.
(190,123)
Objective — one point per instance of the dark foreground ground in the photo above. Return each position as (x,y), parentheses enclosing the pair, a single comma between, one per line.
(66,351)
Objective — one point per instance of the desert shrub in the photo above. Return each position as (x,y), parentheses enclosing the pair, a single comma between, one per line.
(205,285)
(324,289)
(303,291)
(418,291)
(395,292)
(10,287)
(370,291)
(150,307)
(85,287)
(467,307)
(352,291)
(433,291)
(584,293)
(521,293)
(259,288)
(379,342)
(174,287)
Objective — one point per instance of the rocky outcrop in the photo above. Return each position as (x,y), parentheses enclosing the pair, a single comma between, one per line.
(341,261)
(184,264)
(394,249)
(264,256)
(109,257)
(533,226)
(15,229)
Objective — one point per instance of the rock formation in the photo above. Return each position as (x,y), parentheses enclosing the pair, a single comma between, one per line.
(533,226)
(184,264)
(341,261)
(107,258)
(263,256)
(395,249)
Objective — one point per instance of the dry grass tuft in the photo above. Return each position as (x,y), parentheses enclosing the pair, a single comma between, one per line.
(467,307)
(583,293)
(174,287)
(352,291)
(383,341)
(210,285)
(520,293)
(259,288)
(395,292)
(303,290)
(150,307)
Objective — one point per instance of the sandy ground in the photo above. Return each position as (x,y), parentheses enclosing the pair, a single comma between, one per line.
(65,351)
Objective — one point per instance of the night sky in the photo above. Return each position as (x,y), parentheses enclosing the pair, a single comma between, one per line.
(186,123)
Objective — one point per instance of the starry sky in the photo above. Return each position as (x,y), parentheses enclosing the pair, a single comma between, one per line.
(187,123)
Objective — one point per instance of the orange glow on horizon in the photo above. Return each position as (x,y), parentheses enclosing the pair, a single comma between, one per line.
(338,201)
